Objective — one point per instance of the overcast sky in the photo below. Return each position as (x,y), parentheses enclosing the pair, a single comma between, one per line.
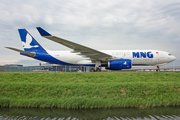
(99,24)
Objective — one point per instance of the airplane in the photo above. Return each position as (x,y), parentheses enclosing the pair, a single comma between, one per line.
(85,56)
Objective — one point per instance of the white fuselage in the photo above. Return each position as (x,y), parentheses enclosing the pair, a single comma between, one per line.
(138,57)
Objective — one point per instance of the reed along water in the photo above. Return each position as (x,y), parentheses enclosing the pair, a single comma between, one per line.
(160,113)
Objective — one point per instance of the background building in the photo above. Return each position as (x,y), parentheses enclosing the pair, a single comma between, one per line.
(43,67)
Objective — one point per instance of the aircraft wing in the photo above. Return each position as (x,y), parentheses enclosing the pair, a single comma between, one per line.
(77,48)
(21,51)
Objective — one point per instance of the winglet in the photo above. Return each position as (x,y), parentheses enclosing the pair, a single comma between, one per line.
(43,32)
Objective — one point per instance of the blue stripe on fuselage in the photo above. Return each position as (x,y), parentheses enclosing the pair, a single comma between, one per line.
(44,56)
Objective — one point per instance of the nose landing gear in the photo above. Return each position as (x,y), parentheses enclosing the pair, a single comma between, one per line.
(158,69)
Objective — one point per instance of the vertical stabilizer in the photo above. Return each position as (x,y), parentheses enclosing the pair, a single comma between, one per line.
(29,43)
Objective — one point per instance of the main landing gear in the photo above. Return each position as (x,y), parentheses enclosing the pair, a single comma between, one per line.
(97,68)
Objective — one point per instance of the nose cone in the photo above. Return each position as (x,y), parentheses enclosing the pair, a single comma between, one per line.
(173,58)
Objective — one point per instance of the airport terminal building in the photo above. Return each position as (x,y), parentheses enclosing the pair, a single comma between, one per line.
(43,68)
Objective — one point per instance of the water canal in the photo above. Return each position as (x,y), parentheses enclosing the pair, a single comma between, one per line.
(163,113)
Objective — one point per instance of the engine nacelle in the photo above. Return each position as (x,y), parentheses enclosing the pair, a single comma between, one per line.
(119,64)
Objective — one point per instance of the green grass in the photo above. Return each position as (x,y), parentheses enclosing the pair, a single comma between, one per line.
(90,90)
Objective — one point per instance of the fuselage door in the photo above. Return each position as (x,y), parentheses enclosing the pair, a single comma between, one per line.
(162,55)
(157,57)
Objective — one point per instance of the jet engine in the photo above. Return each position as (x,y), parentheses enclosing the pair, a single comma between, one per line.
(119,64)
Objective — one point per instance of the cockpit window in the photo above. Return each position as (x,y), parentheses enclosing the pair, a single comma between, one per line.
(170,54)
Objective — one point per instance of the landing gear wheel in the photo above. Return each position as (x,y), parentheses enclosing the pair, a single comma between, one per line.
(92,70)
(98,69)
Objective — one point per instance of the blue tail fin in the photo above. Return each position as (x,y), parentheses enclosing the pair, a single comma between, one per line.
(29,43)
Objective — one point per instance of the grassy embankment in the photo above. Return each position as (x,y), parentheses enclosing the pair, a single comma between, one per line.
(90,90)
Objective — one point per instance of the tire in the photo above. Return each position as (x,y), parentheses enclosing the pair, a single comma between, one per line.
(92,70)
(98,70)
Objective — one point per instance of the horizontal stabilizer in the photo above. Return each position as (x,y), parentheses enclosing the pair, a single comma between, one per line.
(21,51)
(43,32)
